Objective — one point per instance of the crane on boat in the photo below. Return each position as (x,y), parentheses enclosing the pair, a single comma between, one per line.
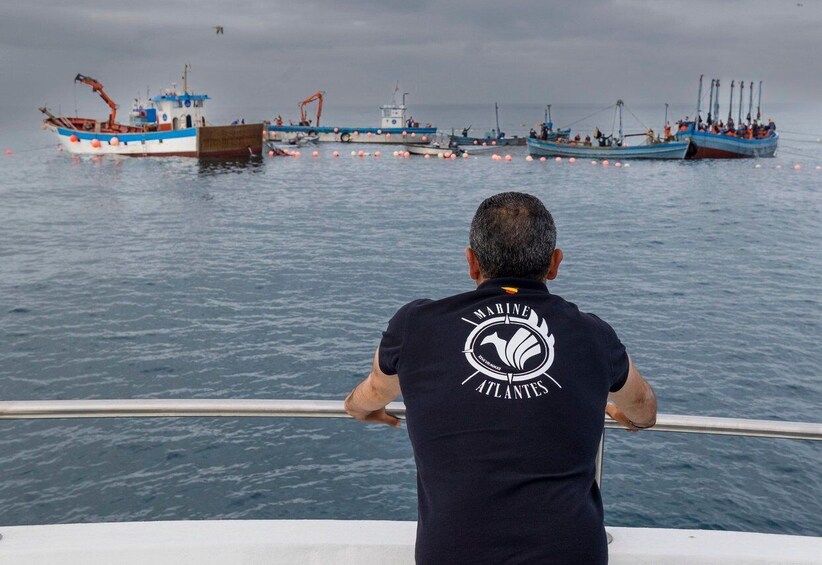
(98,88)
(318,97)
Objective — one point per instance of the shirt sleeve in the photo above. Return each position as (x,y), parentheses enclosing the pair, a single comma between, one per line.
(616,355)
(392,340)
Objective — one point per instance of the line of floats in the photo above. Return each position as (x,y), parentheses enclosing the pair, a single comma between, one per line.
(174,124)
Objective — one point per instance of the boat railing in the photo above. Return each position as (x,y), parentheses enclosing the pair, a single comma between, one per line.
(267,408)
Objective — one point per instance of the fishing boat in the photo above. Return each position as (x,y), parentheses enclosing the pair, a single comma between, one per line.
(714,139)
(610,147)
(435,150)
(493,137)
(344,542)
(394,127)
(171,124)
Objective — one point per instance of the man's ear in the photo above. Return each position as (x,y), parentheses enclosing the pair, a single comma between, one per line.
(473,265)
(556,259)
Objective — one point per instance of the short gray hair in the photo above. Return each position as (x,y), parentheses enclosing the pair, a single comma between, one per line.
(513,235)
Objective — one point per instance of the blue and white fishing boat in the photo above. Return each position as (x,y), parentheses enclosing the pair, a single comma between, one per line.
(493,137)
(171,124)
(394,128)
(714,139)
(610,147)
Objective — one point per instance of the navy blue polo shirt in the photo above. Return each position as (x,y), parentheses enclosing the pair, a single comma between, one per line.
(505,388)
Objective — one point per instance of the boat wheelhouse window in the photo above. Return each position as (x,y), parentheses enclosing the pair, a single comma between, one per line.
(198,103)
(188,120)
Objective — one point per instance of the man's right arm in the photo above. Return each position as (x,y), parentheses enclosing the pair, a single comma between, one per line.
(634,405)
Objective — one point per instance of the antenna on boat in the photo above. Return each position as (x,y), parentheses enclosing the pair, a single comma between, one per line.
(731,103)
(496,111)
(741,91)
(548,113)
(716,101)
(759,103)
(711,102)
(750,102)
(665,123)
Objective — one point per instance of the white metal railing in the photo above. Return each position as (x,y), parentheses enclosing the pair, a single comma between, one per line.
(244,408)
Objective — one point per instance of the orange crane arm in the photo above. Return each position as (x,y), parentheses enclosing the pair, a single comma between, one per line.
(318,96)
(98,88)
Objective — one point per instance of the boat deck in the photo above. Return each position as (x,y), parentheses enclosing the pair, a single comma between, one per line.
(341,542)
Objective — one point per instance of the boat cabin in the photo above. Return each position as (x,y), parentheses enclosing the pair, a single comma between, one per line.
(173,111)
(393,116)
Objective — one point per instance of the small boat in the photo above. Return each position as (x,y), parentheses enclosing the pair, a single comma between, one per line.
(494,137)
(435,150)
(714,139)
(172,124)
(610,147)
(394,127)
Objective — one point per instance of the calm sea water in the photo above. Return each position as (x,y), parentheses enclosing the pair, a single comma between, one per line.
(173,278)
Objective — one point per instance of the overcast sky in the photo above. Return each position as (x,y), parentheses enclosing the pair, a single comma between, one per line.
(275,53)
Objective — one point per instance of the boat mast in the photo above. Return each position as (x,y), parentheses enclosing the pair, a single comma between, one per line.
(711,102)
(716,101)
(186,69)
(731,104)
(620,103)
(759,103)
(665,123)
(698,117)
(750,102)
(496,111)
(741,91)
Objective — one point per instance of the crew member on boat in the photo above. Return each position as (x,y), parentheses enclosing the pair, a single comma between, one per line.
(505,389)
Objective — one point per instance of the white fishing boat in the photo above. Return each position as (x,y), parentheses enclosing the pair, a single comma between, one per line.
(171,124)
(344,542)
(435,150)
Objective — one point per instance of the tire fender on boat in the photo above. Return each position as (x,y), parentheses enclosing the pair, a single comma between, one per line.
(345,137)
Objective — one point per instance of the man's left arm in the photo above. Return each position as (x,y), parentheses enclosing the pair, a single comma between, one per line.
(368,400)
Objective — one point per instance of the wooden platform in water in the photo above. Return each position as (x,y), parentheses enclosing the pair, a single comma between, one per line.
(230,141)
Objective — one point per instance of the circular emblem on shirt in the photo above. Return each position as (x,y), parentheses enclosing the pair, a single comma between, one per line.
(510,348)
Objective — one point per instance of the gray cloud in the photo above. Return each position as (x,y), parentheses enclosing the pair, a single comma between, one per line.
(275,53)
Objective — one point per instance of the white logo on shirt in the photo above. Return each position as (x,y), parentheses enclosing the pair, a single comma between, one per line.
(513,347)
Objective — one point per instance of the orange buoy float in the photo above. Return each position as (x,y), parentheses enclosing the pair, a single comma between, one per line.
(315,153)
(360,153)
(542,159)
(452,157)
(115,141)
(796,167)
(74,138)
(427,156)
(377,153)
(617,164)
(558,159)
(465,155)
(336,154)
(529,158)
(8,151)
(407,154)
(572,160)
(404,133)
(387,135)
(95,143)
(507,157)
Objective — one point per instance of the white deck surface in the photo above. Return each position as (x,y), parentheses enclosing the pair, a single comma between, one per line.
(342,542)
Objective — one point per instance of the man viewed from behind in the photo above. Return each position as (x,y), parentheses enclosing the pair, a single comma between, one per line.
(506,388)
